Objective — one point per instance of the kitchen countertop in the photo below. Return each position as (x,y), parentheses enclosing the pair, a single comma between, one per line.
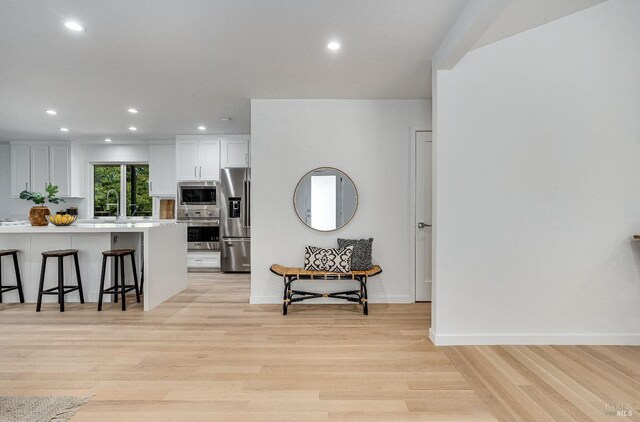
(86,227)
(163,254)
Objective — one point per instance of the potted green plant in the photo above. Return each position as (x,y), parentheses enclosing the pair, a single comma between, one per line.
(38,213)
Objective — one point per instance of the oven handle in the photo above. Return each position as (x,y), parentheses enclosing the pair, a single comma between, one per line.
(210,223)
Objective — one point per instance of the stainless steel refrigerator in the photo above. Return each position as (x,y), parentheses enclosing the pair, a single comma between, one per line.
(235,219)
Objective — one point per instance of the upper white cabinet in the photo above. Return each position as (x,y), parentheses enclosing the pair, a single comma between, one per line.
(162,169)
(34,166)
(20,169)
(59,168)
(209,156)
(197,158)
(187,160)
(234,152)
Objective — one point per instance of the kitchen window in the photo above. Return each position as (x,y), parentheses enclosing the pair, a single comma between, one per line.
(121,190)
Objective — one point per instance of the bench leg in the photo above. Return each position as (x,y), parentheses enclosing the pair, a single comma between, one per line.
(363,295)
(287,297)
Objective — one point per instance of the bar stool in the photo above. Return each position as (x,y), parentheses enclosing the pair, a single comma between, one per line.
(18,286)
(61,289)
(119,287)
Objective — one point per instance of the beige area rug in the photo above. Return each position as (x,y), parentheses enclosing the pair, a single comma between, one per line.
(39,409)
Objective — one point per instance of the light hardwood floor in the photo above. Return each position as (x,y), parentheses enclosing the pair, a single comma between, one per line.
(207,355)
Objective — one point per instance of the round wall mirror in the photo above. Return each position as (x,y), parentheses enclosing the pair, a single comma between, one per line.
(325,199)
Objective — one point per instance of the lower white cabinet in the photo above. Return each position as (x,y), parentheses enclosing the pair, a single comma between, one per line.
(203,260)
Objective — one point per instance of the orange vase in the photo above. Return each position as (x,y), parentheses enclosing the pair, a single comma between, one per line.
(38,215)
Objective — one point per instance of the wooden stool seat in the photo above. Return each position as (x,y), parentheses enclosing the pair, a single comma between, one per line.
(60,290)
(119,252)
(59,253)
(119,287)
(18,286)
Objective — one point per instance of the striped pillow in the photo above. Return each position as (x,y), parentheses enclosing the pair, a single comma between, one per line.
(328,259)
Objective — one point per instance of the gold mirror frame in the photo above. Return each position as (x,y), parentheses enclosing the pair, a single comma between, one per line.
(340,172)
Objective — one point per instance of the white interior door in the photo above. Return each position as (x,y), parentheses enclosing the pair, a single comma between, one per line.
(423,215)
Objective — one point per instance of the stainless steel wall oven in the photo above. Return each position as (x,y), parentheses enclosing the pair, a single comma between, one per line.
(203,235)
(197,207)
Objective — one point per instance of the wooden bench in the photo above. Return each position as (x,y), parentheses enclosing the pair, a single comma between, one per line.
(289,275)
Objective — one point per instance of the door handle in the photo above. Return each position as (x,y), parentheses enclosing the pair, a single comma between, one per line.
(422,225)
(201,172)
(195,171)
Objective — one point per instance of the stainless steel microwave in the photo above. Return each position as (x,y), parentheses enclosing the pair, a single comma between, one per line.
(197,193)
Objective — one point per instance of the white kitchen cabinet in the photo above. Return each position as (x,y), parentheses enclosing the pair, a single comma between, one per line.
(39,168)
(34,166)
(187,160)
(203,260)
(197,159)
(162,169)
(59,168)
(209,156)
(234,153)
(20,169)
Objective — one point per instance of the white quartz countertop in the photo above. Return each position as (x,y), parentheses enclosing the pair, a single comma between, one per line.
(86,227)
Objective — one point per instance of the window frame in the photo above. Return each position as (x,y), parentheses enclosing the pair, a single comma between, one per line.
(122,195)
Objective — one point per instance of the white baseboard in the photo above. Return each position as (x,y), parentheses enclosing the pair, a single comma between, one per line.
(277,300)
(534,339)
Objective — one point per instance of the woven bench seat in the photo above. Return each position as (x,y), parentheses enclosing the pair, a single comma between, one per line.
(291,274)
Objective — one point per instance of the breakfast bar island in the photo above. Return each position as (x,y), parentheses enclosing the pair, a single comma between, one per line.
(161,253)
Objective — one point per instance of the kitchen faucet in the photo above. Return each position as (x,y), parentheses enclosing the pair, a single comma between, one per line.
(117,203)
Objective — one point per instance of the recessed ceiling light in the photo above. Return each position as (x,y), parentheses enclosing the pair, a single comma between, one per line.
(132,111)
(51,112)
(202,128)
(333,45)
(74,26)
(107,140)
(226,119)
(133,128)
(64,129)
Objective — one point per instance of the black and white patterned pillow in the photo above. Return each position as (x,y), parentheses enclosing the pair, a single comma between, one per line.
(328,259)
(362,249)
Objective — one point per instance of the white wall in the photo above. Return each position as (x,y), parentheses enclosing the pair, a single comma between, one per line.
(367,139)
(538,185)
(135,153)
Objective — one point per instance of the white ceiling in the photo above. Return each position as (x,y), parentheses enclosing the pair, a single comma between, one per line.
(183,63)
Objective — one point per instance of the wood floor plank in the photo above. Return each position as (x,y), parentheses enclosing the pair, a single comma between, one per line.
(207,355)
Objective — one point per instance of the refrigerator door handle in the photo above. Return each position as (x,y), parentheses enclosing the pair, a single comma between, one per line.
(247,202)
(244,205)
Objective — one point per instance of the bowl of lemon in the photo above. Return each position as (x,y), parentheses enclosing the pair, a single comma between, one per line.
(61,219)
